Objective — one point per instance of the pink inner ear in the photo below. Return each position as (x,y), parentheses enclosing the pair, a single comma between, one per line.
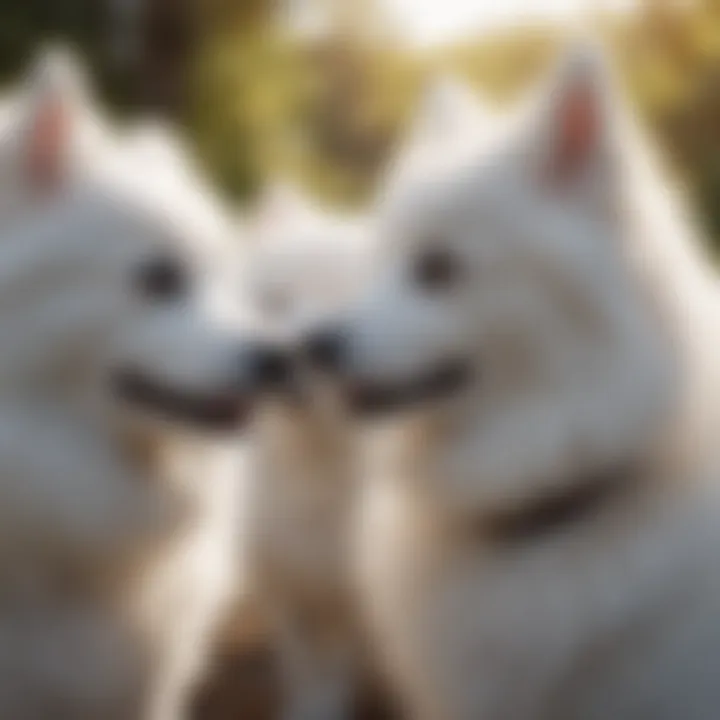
(576,135)
(47,142)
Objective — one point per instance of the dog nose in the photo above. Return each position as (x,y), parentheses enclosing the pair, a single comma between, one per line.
(326,349)
(272,367)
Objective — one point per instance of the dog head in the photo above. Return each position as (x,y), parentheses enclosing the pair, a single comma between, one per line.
(305,262)
(511,292)
(305,265)
(119,295)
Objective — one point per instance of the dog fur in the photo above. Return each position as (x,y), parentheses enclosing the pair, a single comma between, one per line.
(305,264)
(50,115)
(308,264)
(450,117)
(585,313)
(118,526)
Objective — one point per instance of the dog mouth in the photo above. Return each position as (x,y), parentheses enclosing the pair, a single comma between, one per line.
(211,411)
(441,383)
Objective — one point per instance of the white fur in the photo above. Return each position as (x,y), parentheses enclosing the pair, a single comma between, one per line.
(86,142)
(449,119)
(306,264)
(117,531)
(589,316)
(54,86)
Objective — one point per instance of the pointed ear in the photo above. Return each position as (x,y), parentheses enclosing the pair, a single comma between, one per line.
(47,140)
(56,96)
(577,127)
(451,118)
(447,108)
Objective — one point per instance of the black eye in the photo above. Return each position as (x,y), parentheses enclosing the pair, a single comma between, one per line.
(436,269)
(162,278)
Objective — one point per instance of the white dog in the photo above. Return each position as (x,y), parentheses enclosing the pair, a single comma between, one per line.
(122,382)
(539,538)
(309,263)
(305,263)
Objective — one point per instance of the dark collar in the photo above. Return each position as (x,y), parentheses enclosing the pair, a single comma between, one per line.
(558,510)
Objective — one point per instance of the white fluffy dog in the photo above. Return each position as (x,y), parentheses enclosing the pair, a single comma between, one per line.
(123,379)
(540,535)
(308,264)
(305,263)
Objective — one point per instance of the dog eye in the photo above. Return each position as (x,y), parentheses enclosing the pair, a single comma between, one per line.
(436,270)
(162,278)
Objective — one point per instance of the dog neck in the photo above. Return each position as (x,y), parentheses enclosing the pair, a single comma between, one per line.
(313,444)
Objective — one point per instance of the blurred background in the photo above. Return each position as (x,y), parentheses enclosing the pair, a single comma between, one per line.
(320,89)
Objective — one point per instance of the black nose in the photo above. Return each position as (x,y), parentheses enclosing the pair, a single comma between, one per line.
(272,367)
(326,349)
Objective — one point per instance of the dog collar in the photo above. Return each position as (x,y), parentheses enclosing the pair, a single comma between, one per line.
(555,511)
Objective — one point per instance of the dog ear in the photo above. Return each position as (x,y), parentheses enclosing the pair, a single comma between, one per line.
(450,119)
(56,96)
(448,108)
(577,126)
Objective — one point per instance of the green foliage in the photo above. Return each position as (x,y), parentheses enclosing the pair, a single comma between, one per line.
(323,112)
(82,24)
(248,89)
(671,59)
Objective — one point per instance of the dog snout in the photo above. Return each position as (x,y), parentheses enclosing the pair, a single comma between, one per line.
(272,367)
(326,349)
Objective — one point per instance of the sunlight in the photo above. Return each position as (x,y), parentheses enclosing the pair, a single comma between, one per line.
(428,22)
